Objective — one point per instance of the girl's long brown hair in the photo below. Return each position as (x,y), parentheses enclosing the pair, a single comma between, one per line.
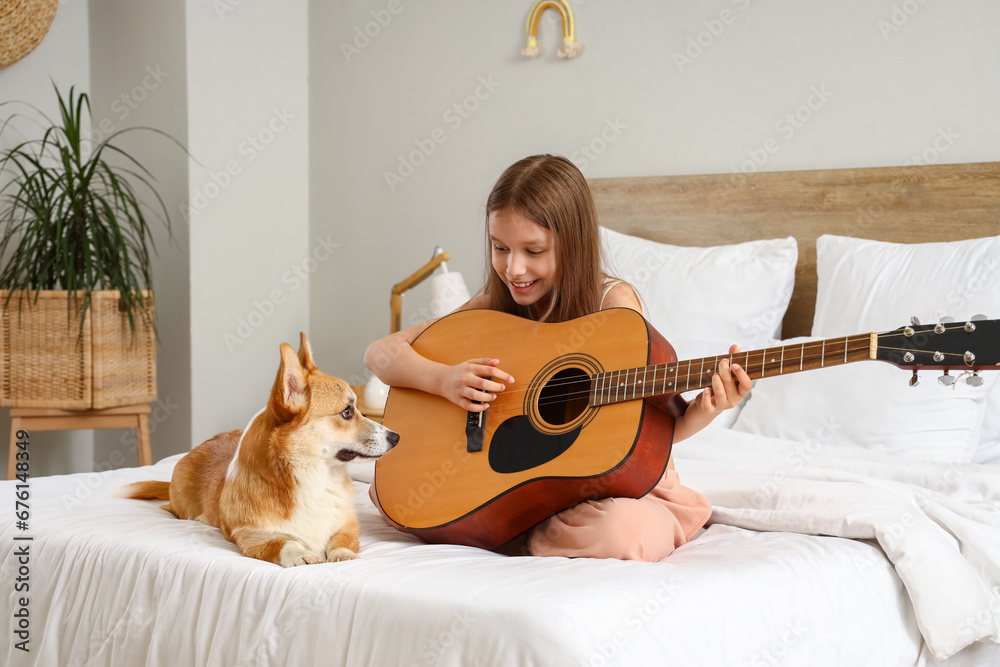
(550,191)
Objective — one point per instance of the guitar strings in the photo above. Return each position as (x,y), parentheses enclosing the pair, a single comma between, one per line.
(639,387)
(802,348)
(806,353)
(685,379)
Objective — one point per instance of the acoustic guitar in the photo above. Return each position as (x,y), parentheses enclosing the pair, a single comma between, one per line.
(591,414)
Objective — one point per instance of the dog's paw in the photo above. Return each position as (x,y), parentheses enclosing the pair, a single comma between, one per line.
(308,558)
(340,554)
(295,553)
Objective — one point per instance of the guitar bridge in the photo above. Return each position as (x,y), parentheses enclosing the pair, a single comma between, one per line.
(475,430)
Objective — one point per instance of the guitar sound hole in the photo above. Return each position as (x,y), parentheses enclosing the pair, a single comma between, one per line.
(564,397)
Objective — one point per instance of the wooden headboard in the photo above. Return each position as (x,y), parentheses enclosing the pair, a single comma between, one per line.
(917,204)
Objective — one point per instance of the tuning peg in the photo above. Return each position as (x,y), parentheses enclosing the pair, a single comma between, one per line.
(974,380)
(946,379)
(914,380)
(914,321)
(970,325)
(939,328)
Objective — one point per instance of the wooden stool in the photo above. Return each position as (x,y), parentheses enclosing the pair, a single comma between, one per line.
(54,419)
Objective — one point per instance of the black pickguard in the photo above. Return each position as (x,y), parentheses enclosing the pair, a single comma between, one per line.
(517,446)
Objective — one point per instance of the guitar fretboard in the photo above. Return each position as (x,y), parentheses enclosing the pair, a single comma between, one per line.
(647,381)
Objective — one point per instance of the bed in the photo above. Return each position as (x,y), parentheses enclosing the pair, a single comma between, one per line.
(855,518)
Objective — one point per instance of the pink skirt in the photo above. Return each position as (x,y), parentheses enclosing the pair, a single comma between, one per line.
(646,529)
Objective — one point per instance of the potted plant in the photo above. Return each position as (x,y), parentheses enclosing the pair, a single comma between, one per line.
(77,307)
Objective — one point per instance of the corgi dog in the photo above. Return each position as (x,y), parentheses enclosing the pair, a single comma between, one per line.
(279,489)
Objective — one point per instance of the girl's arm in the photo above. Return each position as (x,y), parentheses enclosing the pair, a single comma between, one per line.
(397,364)
(729,385)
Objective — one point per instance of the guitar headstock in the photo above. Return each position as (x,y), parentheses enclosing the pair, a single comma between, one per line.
(970,346)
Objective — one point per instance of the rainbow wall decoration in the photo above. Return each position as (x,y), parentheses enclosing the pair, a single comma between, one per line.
(570,47)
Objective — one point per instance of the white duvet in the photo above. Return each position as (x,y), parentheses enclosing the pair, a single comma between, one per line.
(938,523)
(771,582)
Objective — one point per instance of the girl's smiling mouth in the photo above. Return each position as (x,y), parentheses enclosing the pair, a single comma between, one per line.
(521,288)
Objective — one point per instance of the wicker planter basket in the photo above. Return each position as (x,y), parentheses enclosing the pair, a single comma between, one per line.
(46,363)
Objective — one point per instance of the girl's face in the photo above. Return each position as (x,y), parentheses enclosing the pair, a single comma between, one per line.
(524,256)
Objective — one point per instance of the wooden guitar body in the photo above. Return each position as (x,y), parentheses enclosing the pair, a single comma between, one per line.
(544,444)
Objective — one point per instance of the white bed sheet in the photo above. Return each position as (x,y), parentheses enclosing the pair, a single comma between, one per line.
(120,582)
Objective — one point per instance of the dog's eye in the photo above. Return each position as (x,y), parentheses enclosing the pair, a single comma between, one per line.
(348,412)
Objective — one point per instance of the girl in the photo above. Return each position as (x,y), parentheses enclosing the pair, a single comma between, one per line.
(544,250)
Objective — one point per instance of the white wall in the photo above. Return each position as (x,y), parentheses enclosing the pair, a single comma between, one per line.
(248,128)
(880,96)
(62,57)
(138,63)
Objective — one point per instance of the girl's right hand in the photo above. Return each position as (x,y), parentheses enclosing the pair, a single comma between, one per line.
(472,384)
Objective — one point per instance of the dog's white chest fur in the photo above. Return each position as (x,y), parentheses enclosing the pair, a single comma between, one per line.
(322,505)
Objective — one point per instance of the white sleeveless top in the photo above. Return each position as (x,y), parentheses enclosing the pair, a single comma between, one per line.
(608,286)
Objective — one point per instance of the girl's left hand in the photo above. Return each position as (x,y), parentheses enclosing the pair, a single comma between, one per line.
(729,386)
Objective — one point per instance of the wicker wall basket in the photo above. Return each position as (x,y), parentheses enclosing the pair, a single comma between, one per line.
(46,363)
(23,25)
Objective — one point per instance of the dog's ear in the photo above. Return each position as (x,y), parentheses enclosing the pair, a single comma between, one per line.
(290,394)
(305,353)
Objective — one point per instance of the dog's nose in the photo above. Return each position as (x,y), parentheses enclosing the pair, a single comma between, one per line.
(393,438)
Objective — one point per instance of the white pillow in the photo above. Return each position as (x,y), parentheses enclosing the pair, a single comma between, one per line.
(871,285)
(989,442)
(870,405)
(736,293)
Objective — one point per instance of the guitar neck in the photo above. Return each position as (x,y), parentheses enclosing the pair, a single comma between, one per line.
(660,379)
